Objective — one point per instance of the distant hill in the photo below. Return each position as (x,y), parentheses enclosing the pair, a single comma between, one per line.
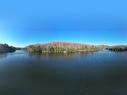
(6,48)
(61,47)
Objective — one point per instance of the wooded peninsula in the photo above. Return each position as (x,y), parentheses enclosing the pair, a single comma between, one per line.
(6,48)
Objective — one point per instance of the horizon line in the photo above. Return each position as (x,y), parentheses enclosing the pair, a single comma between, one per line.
(63,42)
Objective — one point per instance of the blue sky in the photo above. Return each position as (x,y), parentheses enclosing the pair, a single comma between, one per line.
(27,22)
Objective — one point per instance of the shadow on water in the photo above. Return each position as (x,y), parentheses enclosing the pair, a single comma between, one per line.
(3,56)
(96,73)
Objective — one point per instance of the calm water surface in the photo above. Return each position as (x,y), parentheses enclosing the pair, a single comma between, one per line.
(98,73)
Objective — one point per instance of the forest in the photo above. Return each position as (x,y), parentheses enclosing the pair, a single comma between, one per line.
(61,47)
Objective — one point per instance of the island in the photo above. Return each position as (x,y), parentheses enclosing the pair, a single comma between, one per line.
(61,47)
(4,48)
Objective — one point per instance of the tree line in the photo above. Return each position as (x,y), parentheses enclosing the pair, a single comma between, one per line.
(60,48)
(118,48)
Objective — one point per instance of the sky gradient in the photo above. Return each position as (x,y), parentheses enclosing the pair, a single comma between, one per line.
(84,21)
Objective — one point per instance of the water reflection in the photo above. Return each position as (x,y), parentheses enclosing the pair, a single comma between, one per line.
(95,73)
(60,55)
(3,56)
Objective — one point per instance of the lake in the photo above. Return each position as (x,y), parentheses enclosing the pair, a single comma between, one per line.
(95,73)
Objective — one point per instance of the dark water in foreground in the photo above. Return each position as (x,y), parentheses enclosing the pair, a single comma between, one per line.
(99,73)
